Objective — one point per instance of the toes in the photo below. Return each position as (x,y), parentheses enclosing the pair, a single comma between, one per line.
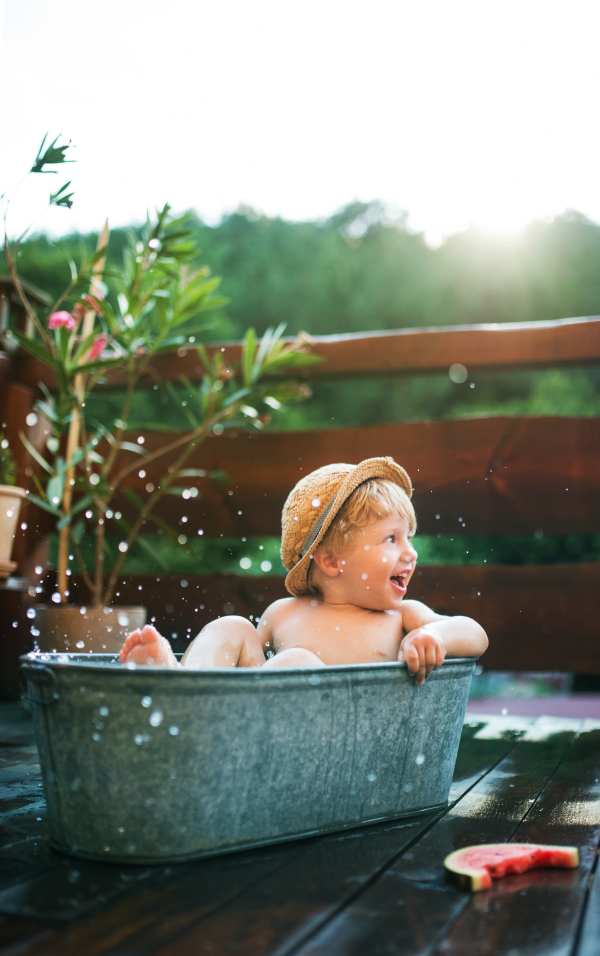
(131,641)
(149,635)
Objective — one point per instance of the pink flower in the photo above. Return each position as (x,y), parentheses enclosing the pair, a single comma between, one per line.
(58,319)
(98,347)
(92,302)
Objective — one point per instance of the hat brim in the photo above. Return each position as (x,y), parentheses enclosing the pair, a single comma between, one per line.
(297,580)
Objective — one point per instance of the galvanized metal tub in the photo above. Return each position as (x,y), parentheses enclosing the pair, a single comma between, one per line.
(153,765)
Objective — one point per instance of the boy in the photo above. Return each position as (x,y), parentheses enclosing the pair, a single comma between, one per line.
(346,542)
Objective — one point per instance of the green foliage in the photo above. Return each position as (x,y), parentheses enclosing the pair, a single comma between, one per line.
(8,469)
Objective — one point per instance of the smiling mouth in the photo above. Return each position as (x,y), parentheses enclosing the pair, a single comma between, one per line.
(399,582)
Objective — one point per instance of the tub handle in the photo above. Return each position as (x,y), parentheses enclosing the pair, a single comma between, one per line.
(38,673)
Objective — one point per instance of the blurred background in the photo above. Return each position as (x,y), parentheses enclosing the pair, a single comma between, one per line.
(350,168)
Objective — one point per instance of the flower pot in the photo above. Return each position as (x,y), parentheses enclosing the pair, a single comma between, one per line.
(81,630)
(10,505)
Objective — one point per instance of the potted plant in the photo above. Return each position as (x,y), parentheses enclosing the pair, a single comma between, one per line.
(11,497)
(87,336)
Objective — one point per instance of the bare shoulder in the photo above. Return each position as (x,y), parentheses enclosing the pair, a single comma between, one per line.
(276,616)
(278,612)
(416,614)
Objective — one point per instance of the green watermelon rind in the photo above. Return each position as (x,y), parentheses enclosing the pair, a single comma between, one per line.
(480,879)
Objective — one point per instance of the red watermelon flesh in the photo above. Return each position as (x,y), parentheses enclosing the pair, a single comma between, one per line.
(475,866)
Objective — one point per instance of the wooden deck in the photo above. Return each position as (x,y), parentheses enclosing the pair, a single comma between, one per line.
(376,890)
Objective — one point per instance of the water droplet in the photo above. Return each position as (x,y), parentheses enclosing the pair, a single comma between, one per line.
(314,679)
(316,502)
(34,632)
(122,547)
(80,644)
(407,787)
(123,619)
(56,597)
(39,569)
(31,613)
(265,566)
(141,473)
(31,419)
(314,602)
(23,526)
(120,829)
(184,583)
(156,718)
(182,539)
(94,479)
(88,513)
(504,711)
(419,759)
(367,547)
(146,701)
(458,373)
(173,731)
(74,876)
(104,711)
(337,627)
(245,563)
(138,739)
(96,737)
(364,576)
(371,777)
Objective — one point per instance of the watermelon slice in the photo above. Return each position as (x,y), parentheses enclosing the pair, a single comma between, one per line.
(474,867)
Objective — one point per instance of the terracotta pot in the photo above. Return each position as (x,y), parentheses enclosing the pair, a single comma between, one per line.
(79,629)
(10,505)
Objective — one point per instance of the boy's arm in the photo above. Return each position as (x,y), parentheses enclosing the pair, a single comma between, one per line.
(269,621)
(429,637)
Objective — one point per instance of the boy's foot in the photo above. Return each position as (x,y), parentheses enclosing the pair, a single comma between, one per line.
(147,647)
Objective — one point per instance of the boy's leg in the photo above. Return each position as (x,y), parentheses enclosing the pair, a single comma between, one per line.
(295,657)
(230,641)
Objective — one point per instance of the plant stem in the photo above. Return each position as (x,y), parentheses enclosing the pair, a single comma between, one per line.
(87,579)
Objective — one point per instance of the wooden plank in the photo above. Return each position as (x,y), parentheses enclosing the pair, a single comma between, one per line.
(540,911)
(498,475)
(504,345)
(411,906)
(527,611)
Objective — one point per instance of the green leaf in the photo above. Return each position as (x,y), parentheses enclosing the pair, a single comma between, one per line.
(248,356)
(55,490)
(43,504)
(32,451)
(62,198)
(53,155)
(36,348)
(129,446)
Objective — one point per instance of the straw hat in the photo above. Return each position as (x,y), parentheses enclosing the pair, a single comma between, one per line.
(314,502)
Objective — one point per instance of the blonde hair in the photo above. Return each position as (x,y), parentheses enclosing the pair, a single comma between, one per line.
(375,498)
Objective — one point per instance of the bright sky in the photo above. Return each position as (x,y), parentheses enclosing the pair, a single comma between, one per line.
(458,111)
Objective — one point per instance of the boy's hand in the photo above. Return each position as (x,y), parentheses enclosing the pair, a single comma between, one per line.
(424,651)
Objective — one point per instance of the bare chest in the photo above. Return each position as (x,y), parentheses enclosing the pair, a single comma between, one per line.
(341,639)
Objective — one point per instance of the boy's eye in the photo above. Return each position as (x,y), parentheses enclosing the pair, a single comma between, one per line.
(391,538)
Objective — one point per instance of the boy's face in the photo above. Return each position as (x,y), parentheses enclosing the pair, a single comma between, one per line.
(375,572)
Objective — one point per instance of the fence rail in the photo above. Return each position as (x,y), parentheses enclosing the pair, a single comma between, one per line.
(480,476)
(509,345)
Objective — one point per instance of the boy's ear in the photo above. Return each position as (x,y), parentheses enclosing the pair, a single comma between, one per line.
(327,562)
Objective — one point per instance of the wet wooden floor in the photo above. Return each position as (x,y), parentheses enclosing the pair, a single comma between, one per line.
(376,890)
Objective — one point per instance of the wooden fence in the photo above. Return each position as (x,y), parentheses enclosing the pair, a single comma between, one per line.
(489,475)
